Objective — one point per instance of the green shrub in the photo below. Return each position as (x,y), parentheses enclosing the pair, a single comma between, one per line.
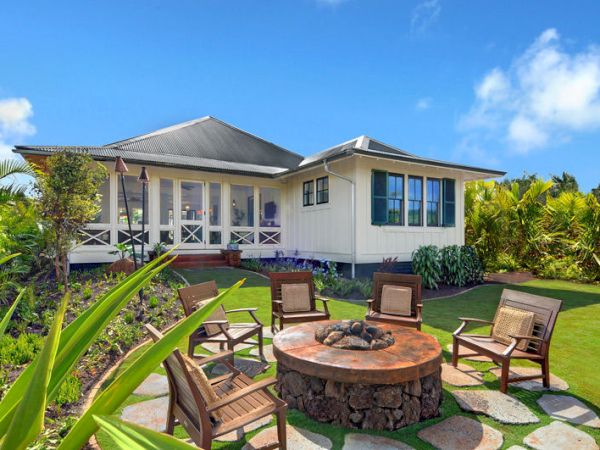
(252,264)
(565,268)
(153,302)
(473,265)
(87,293)
(453,267)
(69,391)
(505,263)
(426,262)
(128,317)
(20,350)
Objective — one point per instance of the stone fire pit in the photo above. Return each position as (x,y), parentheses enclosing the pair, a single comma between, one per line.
(384,388)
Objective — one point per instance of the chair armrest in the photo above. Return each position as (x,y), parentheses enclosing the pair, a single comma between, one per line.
(278,304)
(259,385)
(466,321)
(215,322)
(420,312)
(370,303)
(515,341)
(241,310)
(324,300)
(213,358)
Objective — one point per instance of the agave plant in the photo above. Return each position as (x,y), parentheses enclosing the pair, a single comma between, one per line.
(22,409)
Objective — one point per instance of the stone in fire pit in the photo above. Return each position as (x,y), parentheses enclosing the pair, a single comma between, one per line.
(354,335)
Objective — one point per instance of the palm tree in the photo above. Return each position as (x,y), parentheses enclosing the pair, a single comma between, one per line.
(9,189)
(564,183)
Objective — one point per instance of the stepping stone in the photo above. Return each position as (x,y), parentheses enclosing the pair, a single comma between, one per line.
(495,404)
(213,347)
(297,439)
(462,433)
(470,358)
(462,375)
(556,384)
(155,386)
(560,436)
(267,350)
(149,414)
(563,407)
(250,367)
(236,435)
(267,333)
(355,441)
(516,447)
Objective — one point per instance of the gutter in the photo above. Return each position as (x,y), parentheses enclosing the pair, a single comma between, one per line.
(352,213)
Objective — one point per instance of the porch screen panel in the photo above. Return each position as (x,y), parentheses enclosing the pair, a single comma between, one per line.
(103,215)
(242,206)
(449,204)
(214,214)
(134,200)
(270,207)
(167,215)
(97,231)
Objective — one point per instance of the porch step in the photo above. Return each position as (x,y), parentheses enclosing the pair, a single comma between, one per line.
(199,261)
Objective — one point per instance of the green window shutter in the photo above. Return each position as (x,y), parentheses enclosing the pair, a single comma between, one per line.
(379,189)
(449,205)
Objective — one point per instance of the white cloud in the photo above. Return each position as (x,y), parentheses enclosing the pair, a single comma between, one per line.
(545,95)
(424,15)
(423,103)
(15,115)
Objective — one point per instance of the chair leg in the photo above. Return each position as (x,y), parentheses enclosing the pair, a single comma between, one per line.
(170,428)
(191,346)
(272,324)
(260,345)
(281,428)
(280,323)
(504,376)
(455,348)
(546,373)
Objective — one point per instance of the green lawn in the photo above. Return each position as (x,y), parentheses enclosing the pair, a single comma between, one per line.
(575,350)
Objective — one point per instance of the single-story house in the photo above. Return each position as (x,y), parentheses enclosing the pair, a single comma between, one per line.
(212,184)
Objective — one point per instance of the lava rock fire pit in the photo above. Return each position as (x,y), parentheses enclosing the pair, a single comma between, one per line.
(354,335)
(389,382)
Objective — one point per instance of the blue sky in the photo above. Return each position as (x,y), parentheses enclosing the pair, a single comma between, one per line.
(507,84)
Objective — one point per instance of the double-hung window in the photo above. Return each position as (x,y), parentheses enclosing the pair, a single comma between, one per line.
(433,202)
(415,201)
(322,190)
(308,193)
(387,198)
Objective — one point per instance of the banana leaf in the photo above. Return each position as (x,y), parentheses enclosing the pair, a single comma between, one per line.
(128,436)
(116,393)
(29,415)
(78,336)
(11,310)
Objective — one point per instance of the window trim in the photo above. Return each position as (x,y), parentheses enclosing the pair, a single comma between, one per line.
(388,198)
(326,177)
(439,204)
(421,221)
(311,193)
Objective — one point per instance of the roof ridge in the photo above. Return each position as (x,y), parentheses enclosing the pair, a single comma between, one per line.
(160,131)
(393,147)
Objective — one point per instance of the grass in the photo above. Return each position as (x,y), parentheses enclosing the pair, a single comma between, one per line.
(575,350)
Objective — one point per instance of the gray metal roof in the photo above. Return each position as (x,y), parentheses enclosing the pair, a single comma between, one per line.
(212,145)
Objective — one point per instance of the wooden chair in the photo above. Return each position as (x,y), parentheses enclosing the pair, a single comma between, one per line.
(208,408)
(381,279)
(278,308)
(218,329)
(546,311)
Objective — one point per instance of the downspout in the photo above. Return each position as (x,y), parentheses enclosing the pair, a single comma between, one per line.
(352,214)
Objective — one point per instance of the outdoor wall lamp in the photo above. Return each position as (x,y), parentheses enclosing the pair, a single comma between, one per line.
(121,168)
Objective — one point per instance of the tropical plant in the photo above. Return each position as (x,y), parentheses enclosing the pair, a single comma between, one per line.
(426,262)
(123,250)
(454,270)
(41,380)
(563,183)
(9,168)
(67,200)
(388,264)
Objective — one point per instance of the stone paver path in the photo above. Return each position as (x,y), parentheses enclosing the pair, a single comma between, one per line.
(556,384)
(560,436)
(267,333)
(469,358)
(495,404)
(297,439)
(237,435)
(250,367)
(155,386)
(213,347)
(355,441)
(462,375)
(516,447)
(149,414)
(462,433)
(564,407)
(267,350)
